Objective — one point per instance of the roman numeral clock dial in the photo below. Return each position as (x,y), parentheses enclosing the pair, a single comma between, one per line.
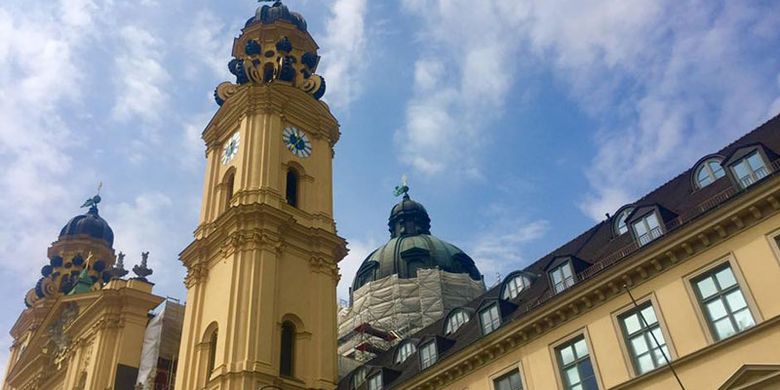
(297,142)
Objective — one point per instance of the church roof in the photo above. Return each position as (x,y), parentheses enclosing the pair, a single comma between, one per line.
(90,224)
(678,202)
(411,247)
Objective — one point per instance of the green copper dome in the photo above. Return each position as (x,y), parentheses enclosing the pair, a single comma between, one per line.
(412,247)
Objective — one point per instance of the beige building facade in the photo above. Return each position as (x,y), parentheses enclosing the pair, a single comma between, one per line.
(678,290)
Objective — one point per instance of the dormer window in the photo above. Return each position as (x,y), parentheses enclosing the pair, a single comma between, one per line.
(428,354)
(514,285)
(404,351)
(620,222)
(562,277)
(647,229)
(375,382)
(358,378)
(749,170)
(456,320)
(490,318)
(709,171)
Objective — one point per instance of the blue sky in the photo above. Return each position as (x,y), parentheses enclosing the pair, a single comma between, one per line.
(519,123)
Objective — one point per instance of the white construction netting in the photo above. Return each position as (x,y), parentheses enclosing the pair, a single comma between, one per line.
(404,306)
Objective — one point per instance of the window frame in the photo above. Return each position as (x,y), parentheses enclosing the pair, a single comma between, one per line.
(363,377)
(745,159)
(434,354)
(404,351)
(567,340)
(498,319)
(370,379)
(510,282)
(643,220)
(514,369)
(705,165)
(568,263)
(453,315)
(628,310)
(744,287)
(627,210)
(720,295)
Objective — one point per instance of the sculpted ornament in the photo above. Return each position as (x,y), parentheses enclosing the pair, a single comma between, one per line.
(277,63)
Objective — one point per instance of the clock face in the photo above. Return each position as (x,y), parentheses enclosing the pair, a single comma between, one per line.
(297,142)
(231,148)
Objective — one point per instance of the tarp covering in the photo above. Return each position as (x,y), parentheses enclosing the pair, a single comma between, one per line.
(402,306)
(161,342)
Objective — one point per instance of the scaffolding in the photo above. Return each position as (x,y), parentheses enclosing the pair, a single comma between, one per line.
(387,310)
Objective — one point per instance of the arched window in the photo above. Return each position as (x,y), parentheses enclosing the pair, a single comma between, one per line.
(709,171)
(287,352)
(620,220)
(212,354)
(230,181)
(358,378)
(514,286)
(456,320)
(404,351)
(292,188)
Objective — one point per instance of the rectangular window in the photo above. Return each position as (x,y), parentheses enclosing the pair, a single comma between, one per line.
(490,318)
(722,302)
(647,229)
(575,365)
(375,382)
(562,277)
(750,170)
(428,355)
(510,381)
(646,343)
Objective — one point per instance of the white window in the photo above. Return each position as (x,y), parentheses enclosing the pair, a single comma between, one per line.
(375,382)
(562,277)
(490,318)
(620,222)
(644,338)
(750,170)
(723,303)
(404,351)
(456,320)
(514,286)
(575,366)
(647,229)
(428,355)
(708,172)
(358,378)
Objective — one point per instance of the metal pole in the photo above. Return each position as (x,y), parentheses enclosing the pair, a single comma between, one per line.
(655,340)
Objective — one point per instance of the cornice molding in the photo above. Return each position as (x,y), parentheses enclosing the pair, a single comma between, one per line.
(719,225)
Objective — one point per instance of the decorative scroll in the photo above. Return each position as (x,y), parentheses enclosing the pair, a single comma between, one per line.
(259,65)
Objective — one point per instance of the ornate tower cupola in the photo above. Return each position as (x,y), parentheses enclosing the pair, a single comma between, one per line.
(83,254)
(275,47)
(266,227)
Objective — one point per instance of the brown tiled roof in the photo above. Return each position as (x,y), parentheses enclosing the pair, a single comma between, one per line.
(597,247)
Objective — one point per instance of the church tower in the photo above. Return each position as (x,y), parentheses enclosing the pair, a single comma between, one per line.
(262,269)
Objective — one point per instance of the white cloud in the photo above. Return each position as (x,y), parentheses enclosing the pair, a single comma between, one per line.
(358,251)
(147,225)
(141,79)
(344,58)
(40,77)
(208,43)
(500,249)
(461,81)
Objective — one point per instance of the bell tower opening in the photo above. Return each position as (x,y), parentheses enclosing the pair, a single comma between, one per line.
(292,187)
(287,351)
(229,182)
